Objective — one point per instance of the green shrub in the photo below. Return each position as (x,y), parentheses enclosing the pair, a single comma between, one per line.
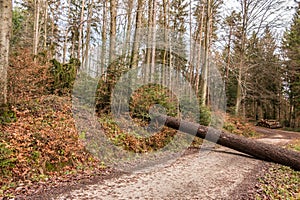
(115,70)
(63,76)
(7,115)
(6,158)
(149,95)
(205,116)
(229,127)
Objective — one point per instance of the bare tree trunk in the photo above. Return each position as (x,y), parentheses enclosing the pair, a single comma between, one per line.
(242,57)
(104,37)
(113,30)
(199,53)
(45,24)
(88,35)
(52,37)
(191,54)
(66,34)
(206,56)
(260,150)
(228,55)
(129,26)
(153,46)
(79,56)
(5,32)
(36,26)
(147,70)
(166,26)
(135,49)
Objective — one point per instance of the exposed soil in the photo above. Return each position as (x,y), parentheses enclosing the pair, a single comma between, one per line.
(219,174)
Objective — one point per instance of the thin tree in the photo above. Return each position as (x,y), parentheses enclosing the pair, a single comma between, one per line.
(138,25)
(88,34)
(79,50)
(206,53)
(66,32)
(113,30)
(129,5)
(5,32)
(103,37)
(36,37)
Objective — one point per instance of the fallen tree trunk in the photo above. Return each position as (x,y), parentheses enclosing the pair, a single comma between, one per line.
(260,150)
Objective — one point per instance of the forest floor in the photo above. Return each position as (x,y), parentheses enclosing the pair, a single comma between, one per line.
(220,174)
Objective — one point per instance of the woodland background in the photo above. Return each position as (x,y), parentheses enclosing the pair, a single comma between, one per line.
(254,44)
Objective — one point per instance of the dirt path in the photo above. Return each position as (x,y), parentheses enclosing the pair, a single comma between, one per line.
(276,136)
(220,174)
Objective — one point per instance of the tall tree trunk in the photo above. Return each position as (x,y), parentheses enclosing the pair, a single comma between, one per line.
(244,4)
(239,89)
(66,34)
(135,49)
(153,45)
(198,70)
(191,54)
(228,55)
(128,29)
(45,24)
(5,32)
(165,26)
(79,50)
(52,54)
(88,35)
(206,54)
(113,30)
(104,37)
(147,70)
(36,26)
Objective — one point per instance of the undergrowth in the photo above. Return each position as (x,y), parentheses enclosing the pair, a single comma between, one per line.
(239,127)
(41,143)
(281,182)
(139,142)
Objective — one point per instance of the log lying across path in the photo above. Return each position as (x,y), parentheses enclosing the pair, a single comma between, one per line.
(260,150)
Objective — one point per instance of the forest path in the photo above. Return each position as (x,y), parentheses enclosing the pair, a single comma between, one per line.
(276,136)
(219,174)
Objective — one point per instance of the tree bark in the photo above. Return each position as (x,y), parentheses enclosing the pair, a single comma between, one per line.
(206,54)
(135,48)
(85,59)
(104,39)
(45,23)
(113,30)
(36,26)
(79,55)
(198,70)
(66,33)
(260,150)
(5,32)
(126,49)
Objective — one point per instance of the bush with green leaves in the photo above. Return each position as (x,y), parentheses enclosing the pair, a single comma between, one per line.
(7,115)
(205,116)
(63,76)
(106,84)
(147,96)
(7,161)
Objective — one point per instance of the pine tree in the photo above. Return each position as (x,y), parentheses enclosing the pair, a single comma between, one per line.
(291,46)
(264,76)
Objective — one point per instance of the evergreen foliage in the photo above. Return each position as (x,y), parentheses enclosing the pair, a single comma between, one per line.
(291,46)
